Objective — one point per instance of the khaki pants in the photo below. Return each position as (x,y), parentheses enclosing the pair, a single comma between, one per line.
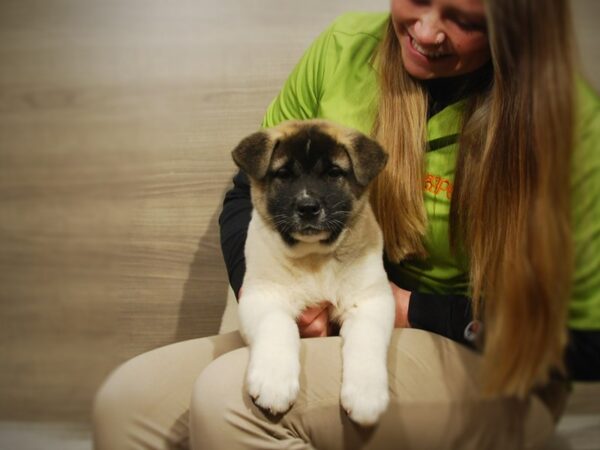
(192,394)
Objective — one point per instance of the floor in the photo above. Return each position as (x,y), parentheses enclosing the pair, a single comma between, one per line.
(44,436)
(579,428)
(576,432)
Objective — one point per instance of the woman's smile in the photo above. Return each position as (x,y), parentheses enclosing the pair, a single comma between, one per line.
(432,55)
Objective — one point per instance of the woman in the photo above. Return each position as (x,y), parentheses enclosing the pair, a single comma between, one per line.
(477,103)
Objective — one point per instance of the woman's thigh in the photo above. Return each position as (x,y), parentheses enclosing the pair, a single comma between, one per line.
(435,403)
(144,402)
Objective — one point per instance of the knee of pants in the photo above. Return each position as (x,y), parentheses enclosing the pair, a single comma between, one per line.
(217,398)
(116,402)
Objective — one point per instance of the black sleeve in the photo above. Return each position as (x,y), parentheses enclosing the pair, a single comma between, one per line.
(451,316)
(583,355)
(448,315)
(233,225)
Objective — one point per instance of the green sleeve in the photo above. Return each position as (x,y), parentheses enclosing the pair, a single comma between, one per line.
(300,95)
(584,308)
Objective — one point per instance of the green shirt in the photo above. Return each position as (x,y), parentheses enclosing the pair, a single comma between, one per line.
(335,80)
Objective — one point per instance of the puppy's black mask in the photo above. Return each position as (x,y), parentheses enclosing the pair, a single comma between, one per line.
(307,190)
(309,182)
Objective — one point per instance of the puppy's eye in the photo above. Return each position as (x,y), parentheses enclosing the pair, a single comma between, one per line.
(335,172)
(283,173)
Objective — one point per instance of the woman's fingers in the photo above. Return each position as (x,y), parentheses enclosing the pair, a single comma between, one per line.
(319,326)
(402,298)
(310,314)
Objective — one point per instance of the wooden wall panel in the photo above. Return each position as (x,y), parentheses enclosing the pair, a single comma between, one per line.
(116,123)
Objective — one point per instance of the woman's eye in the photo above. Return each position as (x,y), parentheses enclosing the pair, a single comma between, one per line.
(470,26)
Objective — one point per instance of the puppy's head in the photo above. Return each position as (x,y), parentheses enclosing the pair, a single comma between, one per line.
(309,178)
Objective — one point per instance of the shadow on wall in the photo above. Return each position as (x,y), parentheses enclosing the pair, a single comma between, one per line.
(205,291)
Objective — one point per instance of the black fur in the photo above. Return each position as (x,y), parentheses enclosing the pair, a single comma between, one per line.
(310,169)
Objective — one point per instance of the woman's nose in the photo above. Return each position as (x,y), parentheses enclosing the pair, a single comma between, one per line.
(428,29)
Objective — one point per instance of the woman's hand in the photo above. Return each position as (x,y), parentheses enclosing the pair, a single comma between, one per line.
(314,321)
(402,298)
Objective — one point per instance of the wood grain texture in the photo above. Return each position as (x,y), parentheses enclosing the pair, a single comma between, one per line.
(116,122)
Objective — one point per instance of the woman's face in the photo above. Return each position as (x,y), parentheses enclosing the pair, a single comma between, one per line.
(441,38)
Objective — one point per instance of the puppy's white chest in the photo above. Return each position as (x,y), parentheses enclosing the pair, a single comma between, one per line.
(309,279)
(316,284)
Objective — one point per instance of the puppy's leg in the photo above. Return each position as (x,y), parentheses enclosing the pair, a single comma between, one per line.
(366,332)
(272,334)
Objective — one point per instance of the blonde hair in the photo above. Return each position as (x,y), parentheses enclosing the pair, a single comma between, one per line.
(510,208)
(396,195)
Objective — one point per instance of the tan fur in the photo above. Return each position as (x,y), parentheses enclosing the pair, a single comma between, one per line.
(341,134)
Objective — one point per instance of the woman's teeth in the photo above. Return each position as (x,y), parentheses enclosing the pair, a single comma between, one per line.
(428,53)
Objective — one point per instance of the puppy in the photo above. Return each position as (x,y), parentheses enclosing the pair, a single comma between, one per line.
(314,237)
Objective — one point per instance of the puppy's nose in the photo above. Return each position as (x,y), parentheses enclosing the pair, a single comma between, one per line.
(308,207)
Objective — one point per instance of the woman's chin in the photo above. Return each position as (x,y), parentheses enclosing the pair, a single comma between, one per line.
(423,71)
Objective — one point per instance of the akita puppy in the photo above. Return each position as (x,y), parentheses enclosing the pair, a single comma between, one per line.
(314,237)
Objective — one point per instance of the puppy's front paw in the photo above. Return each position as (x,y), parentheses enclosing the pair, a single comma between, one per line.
(273,382)
(365,398)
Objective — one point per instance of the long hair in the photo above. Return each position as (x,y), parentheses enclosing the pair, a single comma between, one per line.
(396,195)
(510,207)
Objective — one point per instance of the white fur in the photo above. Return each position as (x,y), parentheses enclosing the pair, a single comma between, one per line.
(282,281)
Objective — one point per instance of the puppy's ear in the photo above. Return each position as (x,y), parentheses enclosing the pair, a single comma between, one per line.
(253,154)
(367,156)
